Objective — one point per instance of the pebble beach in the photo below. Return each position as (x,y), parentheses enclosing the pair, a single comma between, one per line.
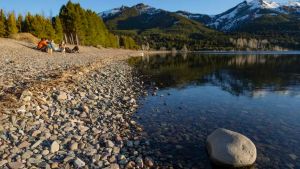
(69,110)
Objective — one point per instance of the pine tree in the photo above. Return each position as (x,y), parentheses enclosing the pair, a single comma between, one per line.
(27,23)
(20,22)
(42,27)
(87,25)
(2,24)
(67,17)
(127,43)
(58,28)
(11,24)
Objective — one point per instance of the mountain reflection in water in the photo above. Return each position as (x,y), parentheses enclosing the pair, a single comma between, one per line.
(251,75)
(256,95)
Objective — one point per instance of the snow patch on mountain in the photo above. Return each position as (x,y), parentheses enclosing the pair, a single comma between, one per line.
(250,10)
(110,12)
(141,8)
(292,3)
(262,4)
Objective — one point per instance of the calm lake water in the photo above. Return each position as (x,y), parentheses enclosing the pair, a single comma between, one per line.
(256,95)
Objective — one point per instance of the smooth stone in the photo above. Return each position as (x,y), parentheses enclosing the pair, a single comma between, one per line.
(22,109)
(47,166)
(100,164)
(54,165)
(113,166)
(3,162)
(33,161)
(79,163)
(149,162)
(45,152)
(35,133)
(54,147)
(130,165)
(24,145)
(27,154)
(139,162)
(74,146)
(97,157)
(83,129)
(15,165)
(68,158)
(116,150)
(229,148)
(26,96)
(62,96)
(112,159)
(85,109)
(36,144)
(110,144)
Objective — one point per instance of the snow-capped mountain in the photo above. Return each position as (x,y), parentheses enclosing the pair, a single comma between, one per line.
(230,20)
(142,8)
(250,10)
(111,12)
(143,17)
(265,19)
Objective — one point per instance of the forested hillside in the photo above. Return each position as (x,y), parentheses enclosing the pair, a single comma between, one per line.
(160,29)
(73,24)
(282,30)
(260,19)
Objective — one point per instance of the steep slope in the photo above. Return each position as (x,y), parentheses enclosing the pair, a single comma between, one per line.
(202,18)
(253,10)
(157,27)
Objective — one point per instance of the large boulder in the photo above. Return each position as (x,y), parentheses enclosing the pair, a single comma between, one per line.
(230,149)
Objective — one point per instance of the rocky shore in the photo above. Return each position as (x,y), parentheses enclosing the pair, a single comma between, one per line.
(69,111)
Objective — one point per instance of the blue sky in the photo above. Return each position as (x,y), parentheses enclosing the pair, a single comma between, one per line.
(48,7)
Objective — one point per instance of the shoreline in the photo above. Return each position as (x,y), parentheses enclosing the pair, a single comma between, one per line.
(80,117)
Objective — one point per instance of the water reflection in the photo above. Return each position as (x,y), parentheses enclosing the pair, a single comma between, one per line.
(257,95)
(252,75)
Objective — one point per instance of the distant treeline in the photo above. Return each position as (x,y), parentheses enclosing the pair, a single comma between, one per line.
(73,24)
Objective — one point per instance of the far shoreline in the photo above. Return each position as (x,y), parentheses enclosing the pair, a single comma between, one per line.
(269,52)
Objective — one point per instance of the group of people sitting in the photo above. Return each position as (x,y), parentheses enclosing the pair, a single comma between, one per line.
(49,46)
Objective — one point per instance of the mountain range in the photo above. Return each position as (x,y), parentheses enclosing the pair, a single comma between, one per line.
(249,11)
(279,23)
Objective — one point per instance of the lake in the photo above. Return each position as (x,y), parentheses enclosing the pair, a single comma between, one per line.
(257,95)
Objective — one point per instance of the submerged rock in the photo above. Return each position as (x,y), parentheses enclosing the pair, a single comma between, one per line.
(230,148)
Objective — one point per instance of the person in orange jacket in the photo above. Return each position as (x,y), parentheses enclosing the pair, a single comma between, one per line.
(42,45)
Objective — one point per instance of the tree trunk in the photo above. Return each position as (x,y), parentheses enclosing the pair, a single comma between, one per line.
(77,41)
(66,38)
(72,39)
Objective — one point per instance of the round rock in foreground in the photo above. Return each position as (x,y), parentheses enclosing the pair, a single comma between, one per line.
(230,149)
